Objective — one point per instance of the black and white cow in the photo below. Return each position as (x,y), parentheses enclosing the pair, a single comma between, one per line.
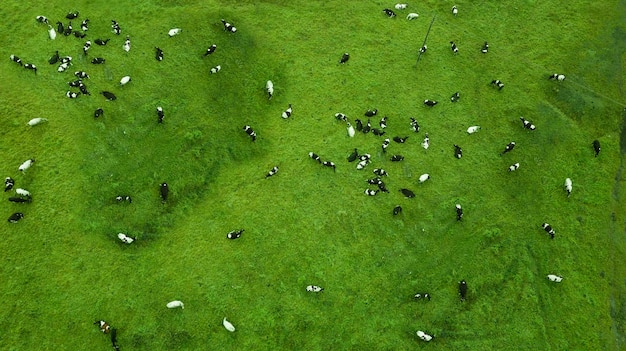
(16,60)
(430,103)
(216,69)
(98,60)
(370,192)
(26,164)
(234,234)
(400,140)
(314,288)
(42,19)
(158,54)
(344,58)
(422,296)
(84,25)
(527,124)
(358,124)
(557,77)
(383,122)
(454,48)
(104,326)
(424,336)
(317,158)
(380,172)
(389,13)
(101,42)
(455,97)
(31,67)
(228,27)
(115,27)
(514,167)
(86,47)
(508,148)
(126,45)
(554,278)
(458,152)
(414,125)
(367,127)
(125,238)
(160,114)
(250,132)
(14,218)
(287,113)
(164,190)
(426,142)
(397,210)
(396,158)
(548,228)
(385,145)
(271,172)
(455,11)
(329,164)
(8,184)
(71,15)
(462,290)
(459,212)
(71,94)
(424,177)
(269,88)
(378,132)
(123,198)
(78,34)
(341,117)
(485,48)
(371,113)
(424,48)
(210,50)
(81,74)
(497,83)
(68,29)
(568,186)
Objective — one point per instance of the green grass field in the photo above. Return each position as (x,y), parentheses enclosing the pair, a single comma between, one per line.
(62,266)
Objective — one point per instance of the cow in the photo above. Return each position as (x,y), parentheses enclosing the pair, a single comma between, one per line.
(123,198)
(317,158)
(164,190)
(287,113)
(527,124)
(42,19)
(124,80)
(210,50)
(175,304)
(396,158)
(383,122)
(397,210)
(344,58)
(98,112)
(14,218)
(407,193)
(370,192)
(26,164)
(8,184)
(234,234)
(473,129)
(22,192)
(380,172)
(126,45)
(430,103)
(20,199)
(52,34)
(424,177)
(125,238)
(63,67)
(81,74)
(423,49)
(548,228)
(98,60)
(400,140)
(412,16)
(455,11)
(158,53)
(508,148)
(514,167)
(385,145)
(174,31)
(554,278)
(71,15)
(459,212)
(31,67)
(68,29)
(359,125)
(36,121)
(568,186)
(462,290)
(250,132)
(401,6)
(109,95)
(114,339)
(271,172)
(269,88)
(101,42)
(557,77)
(104,326)
(329,164)
(420,296)
(228,325)
(160,114)
(497,83)
(84,24)
(389,13)
(426,142)
(366,128)
(596,147)
(424,336)
(485,48)
(351,158)
(314,288)
(458,152)
(228,27)
(54,58)
(341,117)
(350,130)
(371,113)
(454,48)
(455,97)
(415,127)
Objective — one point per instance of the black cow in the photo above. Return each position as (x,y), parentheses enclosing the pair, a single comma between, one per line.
(596,147)
(508,148)
(158,54)
(463,290)
(14,218)
(430,103)
(71,15)
(397,210)
(20,199)
(109,95)
(344,58)
(101,42)
(458,152)
(407,193)
(389,13)
(400,140)
(54,58)
(98,60)
(97,113)
(351,158)
(160,114)
(165,189)
(396,158)
(371,113)
(459,212)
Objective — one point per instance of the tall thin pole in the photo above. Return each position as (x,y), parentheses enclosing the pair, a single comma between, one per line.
(425,38)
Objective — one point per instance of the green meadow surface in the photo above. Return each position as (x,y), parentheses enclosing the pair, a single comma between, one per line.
(62,267)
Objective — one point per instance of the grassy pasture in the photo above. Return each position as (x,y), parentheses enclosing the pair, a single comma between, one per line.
(63,267)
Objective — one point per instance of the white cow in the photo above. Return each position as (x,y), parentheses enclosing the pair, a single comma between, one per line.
(36,121)
(228,325)
(174,31)
(52,33)
(314,288)
(26,165)
(125,238)
(175,304)
(351,131)
(568,186)
(424,177)
(426,142)
(555,278)
(424,336)
(400,6)
(472,129)
(412,16)
(124,80)
(269,86)
(22,192)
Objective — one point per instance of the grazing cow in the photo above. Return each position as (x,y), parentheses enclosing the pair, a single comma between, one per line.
(235,234)
(124,80)
(116,347)
(485,48)
(396,158)
(424,177)
(349,128)
(414,125)
(52,34)
(54,58)
(412,16)
(378,132)
(344,58)
(75,83)
(462,290)
(424,336)
(389,13)
(20,199)
(175,304)
(14,218)
(126,45)
(86,47)
(407,193)
(420,296)
(374,181)
(269,87)
(174,31)
(115,27)
(22,192)
(426,142)
(383,122)
(459,212)
(514,167)
(81,74)
(400,140)
(42,19)
(568,186)
(210,50)
(400,6)
(314,288)
(60,27)
(423,49)
(458,152)
(359,125)
(125,238)
(455,11)
(164,190)
(329,164)
(527,124)
(216,69)
(473,129)
(365,157)
(455,97)
(63,67)
(84,24)
(558,77)
(31,67)
(83,89)
(71,95)
(71,15)
(78,34)
(370,192)
(596,147)
(160,114)
(548,228)
(362,164)
(250,132)
(97,113)
(287,113)
(228,27)
(101,42)
(124,198)
(66,59)
(367,127)
(8,184)
(454,48)
(68,29)
(341,117)
(497,83)
(554,278)
(109,95)
(385,144)
(158,54)
(26,165)
(271,172)
(98,60)
(36,121)
(351,158)
(380,172)
(508,148)
(228,325)
(397,210)
(317,158)
(104,326)
(371,113)
(430,103)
